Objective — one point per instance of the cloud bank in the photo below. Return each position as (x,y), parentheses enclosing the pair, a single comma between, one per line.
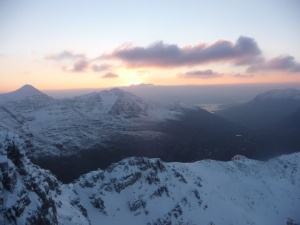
(244,51)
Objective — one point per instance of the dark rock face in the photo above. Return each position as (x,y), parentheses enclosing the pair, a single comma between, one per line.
(38,182)
(29,194)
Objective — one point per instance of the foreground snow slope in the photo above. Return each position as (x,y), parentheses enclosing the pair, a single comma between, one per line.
(149,191)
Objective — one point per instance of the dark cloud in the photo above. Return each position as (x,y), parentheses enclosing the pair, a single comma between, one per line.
(101,68)
(80,66)
(110,75)
(204,74)
(281,63)
(244,51)
(65,55)
(238,75)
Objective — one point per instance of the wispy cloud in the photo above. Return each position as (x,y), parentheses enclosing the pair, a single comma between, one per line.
(101,68)
(244,51)
(78,67)
(65,55)
(110,75)
(141,85)
(202,74)
(285,63)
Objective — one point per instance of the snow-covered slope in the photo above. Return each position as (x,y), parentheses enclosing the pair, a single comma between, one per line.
(149,191)
(144,191)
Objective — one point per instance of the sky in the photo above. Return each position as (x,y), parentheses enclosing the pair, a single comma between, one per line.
(77,44)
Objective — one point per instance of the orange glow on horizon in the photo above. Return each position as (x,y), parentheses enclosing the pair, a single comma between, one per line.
(46,77)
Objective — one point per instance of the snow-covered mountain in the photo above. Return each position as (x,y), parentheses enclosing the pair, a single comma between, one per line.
(64,126)
(25,99)
(149,191)
(26,91)
(104,127)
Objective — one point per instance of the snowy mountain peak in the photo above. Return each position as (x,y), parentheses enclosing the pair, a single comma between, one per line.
(25,99)
(118,102)
(114,91)
(289,93)
(26,91)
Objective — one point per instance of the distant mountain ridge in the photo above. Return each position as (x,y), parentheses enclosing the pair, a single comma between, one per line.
(273,117)
(265,109)
(41,115)
(290,93)
(107,126)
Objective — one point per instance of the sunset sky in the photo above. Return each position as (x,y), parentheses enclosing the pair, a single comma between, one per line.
(61,44)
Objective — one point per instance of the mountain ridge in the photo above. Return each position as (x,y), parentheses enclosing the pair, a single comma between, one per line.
(289,93)
(106,126)
(242,191)
(264,110)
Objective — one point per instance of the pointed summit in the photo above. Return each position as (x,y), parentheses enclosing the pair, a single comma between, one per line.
(26,91)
